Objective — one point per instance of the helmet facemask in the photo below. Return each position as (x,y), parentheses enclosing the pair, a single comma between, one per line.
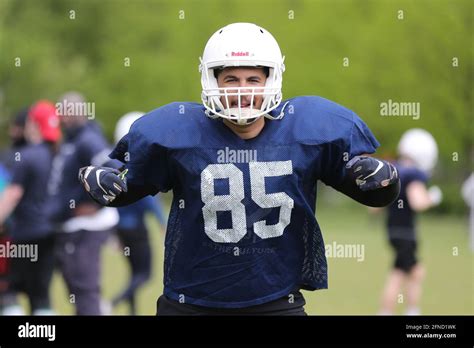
(212,96)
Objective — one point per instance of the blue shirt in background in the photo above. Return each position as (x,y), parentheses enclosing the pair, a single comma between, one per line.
(29,219)
(401,217)
(133,216)
(82,146)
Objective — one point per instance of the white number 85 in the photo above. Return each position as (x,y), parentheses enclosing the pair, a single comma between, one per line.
(233,201)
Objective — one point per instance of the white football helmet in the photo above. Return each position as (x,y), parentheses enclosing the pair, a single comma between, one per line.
(124,123)
(241,44)
(419,145)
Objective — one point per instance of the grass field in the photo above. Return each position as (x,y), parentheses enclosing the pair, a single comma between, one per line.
(354,286)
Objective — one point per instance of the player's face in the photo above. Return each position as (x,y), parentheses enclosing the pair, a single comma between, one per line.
(67,121)
(32,132)
(71,121)
(242,77)
(16,132)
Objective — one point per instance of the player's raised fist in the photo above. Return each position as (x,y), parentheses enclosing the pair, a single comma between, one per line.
(103,184)
(370,173)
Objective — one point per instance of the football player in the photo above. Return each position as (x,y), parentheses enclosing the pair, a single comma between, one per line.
(16,132)
(418,154)
(84,226)
(242,237)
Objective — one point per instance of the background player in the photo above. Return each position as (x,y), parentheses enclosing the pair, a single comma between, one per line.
(418,154)
(25,199)
(16,132)
(83,226)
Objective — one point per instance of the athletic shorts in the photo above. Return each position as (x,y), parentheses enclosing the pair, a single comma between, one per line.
(405,253)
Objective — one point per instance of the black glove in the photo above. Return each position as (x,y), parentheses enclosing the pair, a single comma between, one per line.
(103,184)
(370,173)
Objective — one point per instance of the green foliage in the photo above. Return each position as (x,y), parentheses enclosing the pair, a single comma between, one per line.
(409,59)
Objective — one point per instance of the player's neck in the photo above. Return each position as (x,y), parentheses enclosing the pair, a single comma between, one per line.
(249,131)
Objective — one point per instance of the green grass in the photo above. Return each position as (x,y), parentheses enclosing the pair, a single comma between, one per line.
(354,287)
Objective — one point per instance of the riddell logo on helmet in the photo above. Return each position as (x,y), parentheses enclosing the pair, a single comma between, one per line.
(240,54)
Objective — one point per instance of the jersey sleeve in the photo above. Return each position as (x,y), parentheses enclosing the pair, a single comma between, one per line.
(358,140)
(416,175)
(361,140)
(146,161)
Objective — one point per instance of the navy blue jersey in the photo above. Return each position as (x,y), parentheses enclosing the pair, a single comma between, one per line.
(133,216)
(10,156)
(31,171)
(82,146)
(242,228)
(400,217)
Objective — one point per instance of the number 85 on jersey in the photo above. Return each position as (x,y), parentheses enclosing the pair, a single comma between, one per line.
(233,201)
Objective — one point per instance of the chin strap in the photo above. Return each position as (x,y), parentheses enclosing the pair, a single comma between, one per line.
(280,115)
(244,122)
(211,114)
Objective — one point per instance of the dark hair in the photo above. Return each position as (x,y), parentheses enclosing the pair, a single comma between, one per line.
(266,70)
(20,117)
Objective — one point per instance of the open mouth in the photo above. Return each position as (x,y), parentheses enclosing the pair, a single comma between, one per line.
(242,105)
